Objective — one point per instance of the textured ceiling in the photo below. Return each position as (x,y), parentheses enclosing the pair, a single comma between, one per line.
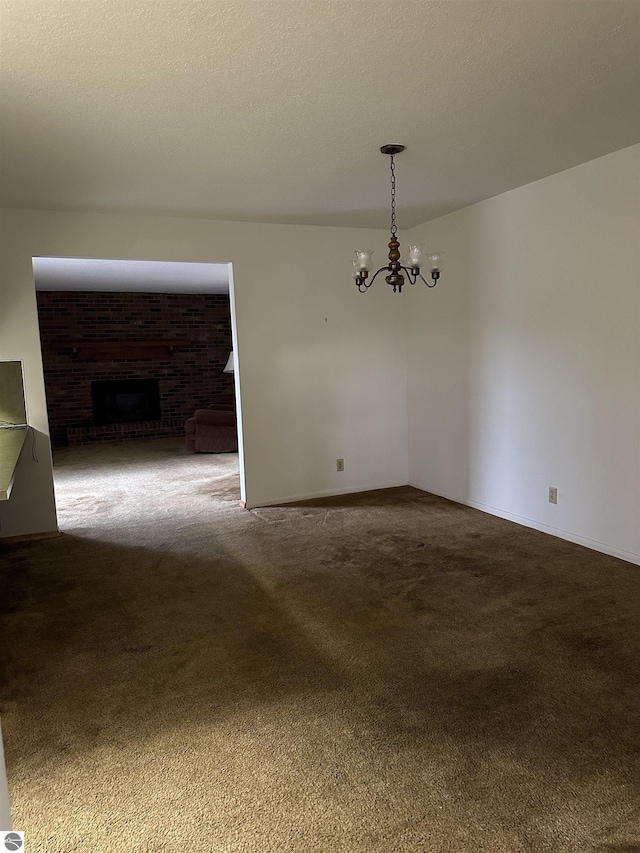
(274,110)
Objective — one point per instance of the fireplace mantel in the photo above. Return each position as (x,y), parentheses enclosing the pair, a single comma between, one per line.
(111,350)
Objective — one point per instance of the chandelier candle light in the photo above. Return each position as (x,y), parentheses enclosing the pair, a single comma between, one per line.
(362,263)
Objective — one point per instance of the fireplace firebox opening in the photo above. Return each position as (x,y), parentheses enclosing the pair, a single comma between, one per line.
(118,401)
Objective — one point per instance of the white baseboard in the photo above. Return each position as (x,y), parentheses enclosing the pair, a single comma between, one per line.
(325,493)
(594,544)
(29,537)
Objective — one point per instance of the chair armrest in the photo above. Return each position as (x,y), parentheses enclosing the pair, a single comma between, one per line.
(213,417)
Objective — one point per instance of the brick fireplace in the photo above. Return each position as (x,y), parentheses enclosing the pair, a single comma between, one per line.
(116,347)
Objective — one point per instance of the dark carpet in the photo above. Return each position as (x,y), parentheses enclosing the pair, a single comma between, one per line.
(381,672)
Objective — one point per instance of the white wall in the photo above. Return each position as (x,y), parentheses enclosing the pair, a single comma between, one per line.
(5,810)
(525,372)
(524,367)
(322,367)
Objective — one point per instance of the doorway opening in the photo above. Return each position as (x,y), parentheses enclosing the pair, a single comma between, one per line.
(132,350)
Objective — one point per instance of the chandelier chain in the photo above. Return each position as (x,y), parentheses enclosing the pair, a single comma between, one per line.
(393,197)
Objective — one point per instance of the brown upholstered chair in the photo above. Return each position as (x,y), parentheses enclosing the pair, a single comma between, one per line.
(212,431)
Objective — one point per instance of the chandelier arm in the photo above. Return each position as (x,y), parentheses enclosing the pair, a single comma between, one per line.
(414,278)
(363,285)
(375,275)
(428,283)
(410,276)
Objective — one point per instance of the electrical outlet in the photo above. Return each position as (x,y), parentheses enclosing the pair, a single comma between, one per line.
(553,495)
(339,464)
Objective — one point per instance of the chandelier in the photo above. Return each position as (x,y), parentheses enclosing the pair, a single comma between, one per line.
(395,278)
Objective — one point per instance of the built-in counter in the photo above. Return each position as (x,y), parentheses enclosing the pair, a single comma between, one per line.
(11,444)
(13,423)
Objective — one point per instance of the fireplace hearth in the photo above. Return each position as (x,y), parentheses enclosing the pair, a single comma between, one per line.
(118,401)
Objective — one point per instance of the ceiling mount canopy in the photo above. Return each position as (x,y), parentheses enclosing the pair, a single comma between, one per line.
(392,149)
(395,278)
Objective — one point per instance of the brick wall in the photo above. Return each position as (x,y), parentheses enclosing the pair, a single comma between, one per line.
(190,378)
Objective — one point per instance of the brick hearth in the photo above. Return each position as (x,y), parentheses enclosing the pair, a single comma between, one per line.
(123,432)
